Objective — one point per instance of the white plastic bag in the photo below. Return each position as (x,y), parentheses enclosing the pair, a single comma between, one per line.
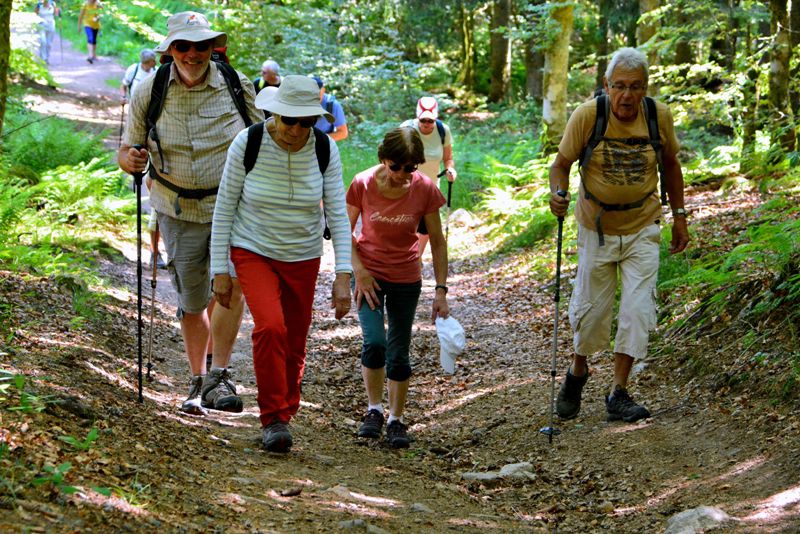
(451,342)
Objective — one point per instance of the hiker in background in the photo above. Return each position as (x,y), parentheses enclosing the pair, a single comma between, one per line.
(270,76)
(187,148)
(391,198)
(268,222)
(619,214)
(134,75)
(47,11)
(89,21)
(438,143)
(137,73)
(337,129)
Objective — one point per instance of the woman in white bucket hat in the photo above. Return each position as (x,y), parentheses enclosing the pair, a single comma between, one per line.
(269,222)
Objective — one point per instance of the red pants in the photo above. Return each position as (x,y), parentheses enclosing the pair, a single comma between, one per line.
(280,296)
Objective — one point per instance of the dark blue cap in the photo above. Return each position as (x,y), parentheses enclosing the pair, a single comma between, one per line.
(318,80)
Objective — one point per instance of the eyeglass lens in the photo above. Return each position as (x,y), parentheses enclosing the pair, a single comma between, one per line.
(305,122)
(185,46)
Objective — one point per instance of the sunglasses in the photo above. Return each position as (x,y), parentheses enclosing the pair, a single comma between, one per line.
(305,122)
(426,121)
(185,46)
(395,167)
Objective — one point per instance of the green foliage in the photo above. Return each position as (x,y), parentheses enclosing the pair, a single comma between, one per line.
(33,143)
(81,445)
(26,65)
(55,477)
(15,397)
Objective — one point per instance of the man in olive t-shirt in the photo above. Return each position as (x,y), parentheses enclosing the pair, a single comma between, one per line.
(622,170)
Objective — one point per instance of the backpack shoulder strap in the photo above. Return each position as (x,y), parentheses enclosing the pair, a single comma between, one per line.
(157,95)
(235,89)
(322,146)
(329,105)
(440,129)
(651,116)
(254,135)
(599,130)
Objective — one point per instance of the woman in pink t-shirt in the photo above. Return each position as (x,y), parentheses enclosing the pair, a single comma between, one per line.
(391,199)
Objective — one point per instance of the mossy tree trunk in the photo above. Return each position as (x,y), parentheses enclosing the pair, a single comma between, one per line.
(5,53)
(556,67)
(466,75)
(782,134)
(645,32)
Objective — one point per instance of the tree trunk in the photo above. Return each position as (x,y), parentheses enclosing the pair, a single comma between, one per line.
(631,28)
(683,49)
(723,47)
(500,46)
(5,52)
(602,43)
(646,31)
(751,97)
(794,40)
(534,63)
(466,75)
(782,135)
(556,67)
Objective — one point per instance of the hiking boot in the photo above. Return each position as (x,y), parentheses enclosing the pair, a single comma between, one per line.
(372,425)
(397,435)
(192,404)
(276,437)
(620,405)
(568,402)
(219,393)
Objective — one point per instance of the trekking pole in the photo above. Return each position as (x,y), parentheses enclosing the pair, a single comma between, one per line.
(121,124)
(551,430)
(138,178)
(449,194)
(153,284)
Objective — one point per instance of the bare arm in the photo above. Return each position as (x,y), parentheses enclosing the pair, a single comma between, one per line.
(365,282)
(439,252)
(340,133)
(673,175)
(449,164)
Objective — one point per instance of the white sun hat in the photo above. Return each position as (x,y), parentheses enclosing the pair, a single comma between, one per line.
(190,26)
(298,96)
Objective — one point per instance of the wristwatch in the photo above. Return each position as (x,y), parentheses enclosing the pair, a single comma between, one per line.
(679,212)
(443,288)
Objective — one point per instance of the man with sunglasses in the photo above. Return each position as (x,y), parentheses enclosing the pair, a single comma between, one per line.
(618,213)
(187,153)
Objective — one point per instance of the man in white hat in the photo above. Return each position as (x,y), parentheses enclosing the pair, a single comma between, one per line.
(197,123)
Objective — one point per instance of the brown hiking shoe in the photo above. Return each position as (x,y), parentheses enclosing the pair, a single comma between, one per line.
(219,393)
(568,402)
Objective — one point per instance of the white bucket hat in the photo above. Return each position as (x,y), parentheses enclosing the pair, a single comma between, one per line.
(298,96)
(190,26)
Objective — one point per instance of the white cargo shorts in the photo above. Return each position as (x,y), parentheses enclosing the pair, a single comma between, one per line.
(635,257)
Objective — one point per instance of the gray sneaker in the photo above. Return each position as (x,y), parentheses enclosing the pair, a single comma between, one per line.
(192,404)
(219,393)
(276,437)
(568,402)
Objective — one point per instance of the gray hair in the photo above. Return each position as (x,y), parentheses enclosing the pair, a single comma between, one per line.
(628,58)
(271,66)
(147,55)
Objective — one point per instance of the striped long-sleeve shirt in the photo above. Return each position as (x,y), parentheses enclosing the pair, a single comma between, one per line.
(275,210)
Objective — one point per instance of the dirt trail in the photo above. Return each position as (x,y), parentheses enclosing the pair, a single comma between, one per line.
(183,473)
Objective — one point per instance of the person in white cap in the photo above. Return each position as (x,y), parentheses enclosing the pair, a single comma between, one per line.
(195,128)
(268,222)
(438,143)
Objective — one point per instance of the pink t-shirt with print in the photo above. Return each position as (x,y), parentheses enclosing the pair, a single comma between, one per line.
(388,244)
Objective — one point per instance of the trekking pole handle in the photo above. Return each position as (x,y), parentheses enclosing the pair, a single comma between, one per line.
(137,176)
(449,186)
(562,194)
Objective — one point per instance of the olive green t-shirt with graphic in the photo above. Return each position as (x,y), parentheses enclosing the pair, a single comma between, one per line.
(619,172)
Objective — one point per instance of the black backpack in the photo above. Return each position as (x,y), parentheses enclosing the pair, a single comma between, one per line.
(598,134)
(322,147)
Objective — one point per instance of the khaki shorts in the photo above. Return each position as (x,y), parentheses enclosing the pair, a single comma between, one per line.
(187,245)
(635,257)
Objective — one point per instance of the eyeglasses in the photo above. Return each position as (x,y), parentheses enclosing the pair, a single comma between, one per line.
(426,121)
(635,88)
(185,46)
(395,167)
(305,122)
